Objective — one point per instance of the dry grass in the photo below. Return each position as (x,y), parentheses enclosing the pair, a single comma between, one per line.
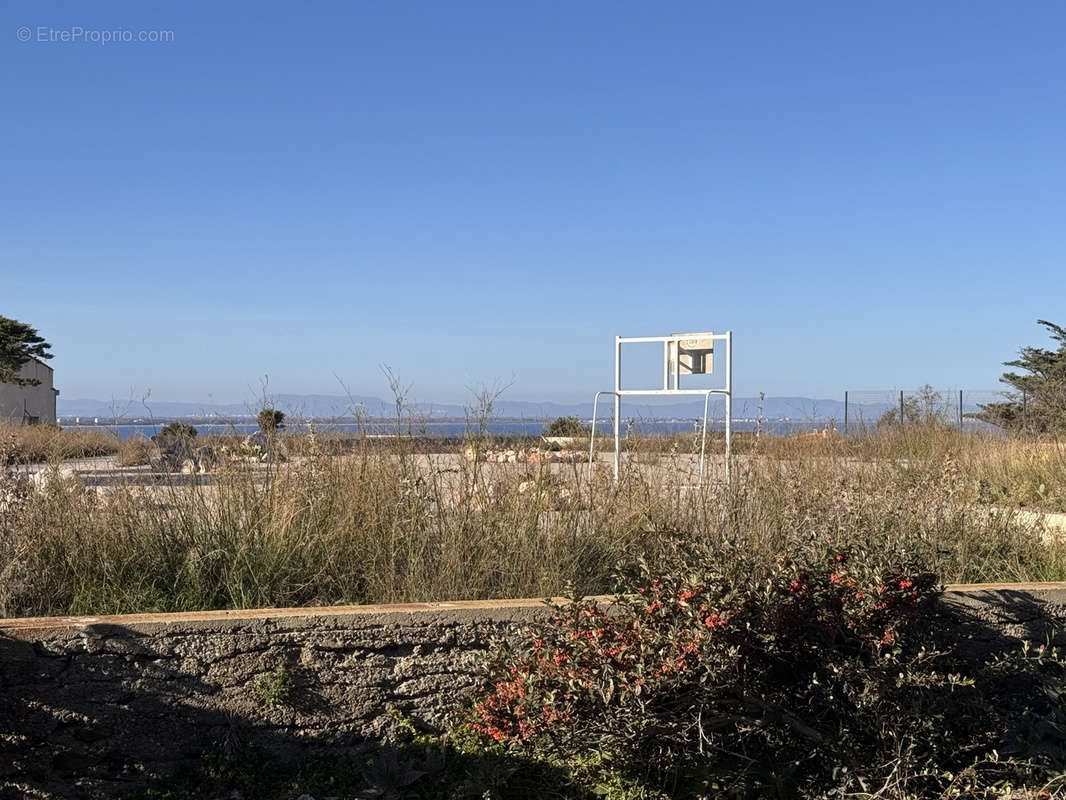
(47,443)
(1017,473)
(1020,474)
(135,452)
(374,522)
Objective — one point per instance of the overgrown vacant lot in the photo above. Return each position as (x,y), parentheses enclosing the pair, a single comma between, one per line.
(373,523)
(776,636)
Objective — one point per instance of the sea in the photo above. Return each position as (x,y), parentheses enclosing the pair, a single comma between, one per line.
(447,430)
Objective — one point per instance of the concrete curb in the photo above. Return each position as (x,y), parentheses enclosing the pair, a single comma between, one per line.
(502,610)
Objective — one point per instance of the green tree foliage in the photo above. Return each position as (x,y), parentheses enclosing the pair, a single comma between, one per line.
(565,426)
(270,421)
(177,431)
(1038,402)
(19,343)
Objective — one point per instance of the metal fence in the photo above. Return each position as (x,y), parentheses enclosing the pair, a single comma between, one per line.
(877,409)
(854,412)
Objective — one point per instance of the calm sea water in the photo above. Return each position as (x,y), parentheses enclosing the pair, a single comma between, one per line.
(444,429)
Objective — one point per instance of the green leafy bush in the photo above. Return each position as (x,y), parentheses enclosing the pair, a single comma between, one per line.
(177,431)
(270,421)
(565,426)
(817,674)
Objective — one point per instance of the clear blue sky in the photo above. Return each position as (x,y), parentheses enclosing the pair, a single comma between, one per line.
(868,195)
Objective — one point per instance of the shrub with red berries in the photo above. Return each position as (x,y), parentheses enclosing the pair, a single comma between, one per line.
(736,679)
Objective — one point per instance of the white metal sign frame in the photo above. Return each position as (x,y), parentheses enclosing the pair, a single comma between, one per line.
(671,369)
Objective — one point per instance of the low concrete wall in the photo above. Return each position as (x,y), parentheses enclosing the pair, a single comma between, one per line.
(91,706)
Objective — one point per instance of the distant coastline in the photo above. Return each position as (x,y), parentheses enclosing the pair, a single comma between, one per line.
(455,428)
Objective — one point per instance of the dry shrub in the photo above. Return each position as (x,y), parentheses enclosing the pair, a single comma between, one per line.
(49,443)
(369,527)
(1020,473)
(135,452)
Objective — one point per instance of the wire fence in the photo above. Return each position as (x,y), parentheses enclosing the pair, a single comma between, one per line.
(854,412)
(878,409)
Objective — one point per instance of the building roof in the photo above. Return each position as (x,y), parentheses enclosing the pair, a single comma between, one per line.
(42,363)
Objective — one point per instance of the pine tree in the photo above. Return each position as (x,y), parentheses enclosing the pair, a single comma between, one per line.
(1038,402)
(19,343)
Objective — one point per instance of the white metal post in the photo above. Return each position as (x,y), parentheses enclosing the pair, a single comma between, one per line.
(617,406)
(666,366)
(728,405)
(677,364)
(703,436)
(592,435)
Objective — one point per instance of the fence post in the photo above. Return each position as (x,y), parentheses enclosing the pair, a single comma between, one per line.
(845,412)
(901,409)
(960,409)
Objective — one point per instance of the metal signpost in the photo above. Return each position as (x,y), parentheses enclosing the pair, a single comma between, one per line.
(683,354)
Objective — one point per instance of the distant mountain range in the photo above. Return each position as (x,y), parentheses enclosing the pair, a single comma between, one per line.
(332,407)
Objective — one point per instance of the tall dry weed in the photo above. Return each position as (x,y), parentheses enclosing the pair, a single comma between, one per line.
(375,523)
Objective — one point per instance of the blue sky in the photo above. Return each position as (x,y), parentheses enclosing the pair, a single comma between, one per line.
(868,195)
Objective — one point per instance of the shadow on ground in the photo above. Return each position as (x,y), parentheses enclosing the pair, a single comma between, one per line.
(114,724)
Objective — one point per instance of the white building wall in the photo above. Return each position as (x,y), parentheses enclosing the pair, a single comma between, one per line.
(21,404)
